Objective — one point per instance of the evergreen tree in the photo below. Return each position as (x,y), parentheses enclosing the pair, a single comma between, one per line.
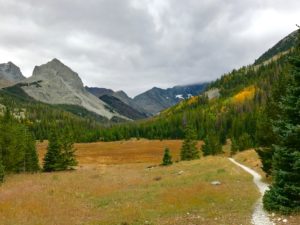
(189,149)
(31,160)
(245,142)
(52,160)
(167,159)
(234,146)
(68,152)
(284,193)
(211,146)
(2,172)
(17,146)
(60,152)
(265,135)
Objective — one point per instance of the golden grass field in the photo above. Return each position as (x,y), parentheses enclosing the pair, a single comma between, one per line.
(121,152)
(114,185)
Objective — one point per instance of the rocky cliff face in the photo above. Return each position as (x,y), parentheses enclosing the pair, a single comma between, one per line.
(55,83)
(10,74)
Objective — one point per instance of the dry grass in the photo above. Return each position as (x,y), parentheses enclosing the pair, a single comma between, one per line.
(122,152)
(132,194)
(118,193)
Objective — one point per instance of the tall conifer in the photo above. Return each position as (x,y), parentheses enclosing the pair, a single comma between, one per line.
(189,149)
(284,194)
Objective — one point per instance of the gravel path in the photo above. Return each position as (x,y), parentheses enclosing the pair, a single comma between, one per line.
(259,216)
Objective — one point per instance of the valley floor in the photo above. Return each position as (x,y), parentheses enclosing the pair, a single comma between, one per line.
(107,190)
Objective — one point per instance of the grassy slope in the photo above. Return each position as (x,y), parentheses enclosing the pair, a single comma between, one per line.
(131,193)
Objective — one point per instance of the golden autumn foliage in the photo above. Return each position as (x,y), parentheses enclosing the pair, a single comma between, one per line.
(246,94)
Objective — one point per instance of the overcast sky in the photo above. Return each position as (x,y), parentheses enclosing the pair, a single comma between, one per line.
(134,45)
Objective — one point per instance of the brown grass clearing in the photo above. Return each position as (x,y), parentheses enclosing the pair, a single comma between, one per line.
(115,192)
(122,152)
(129,193)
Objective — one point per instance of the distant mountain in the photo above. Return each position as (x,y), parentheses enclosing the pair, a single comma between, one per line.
(55,83)
(10,74)
(99,91)
(281,47)
(155,100)
(122,108)
(120,95)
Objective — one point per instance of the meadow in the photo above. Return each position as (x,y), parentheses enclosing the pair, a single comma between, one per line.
(121,183)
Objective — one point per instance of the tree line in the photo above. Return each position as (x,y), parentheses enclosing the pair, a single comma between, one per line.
(18,149)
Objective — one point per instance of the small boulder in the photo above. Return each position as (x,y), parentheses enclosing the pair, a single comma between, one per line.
(180,172)
(216,182)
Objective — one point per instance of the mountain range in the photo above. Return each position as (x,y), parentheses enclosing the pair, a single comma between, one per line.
(57,84)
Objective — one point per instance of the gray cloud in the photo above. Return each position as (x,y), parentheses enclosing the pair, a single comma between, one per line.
(137,44)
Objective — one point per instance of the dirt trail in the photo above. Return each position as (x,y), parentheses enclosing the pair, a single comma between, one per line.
(259,216)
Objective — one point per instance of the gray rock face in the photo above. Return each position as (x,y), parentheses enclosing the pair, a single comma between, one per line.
(55,69)
(55,83)
(10,74)
(213,93)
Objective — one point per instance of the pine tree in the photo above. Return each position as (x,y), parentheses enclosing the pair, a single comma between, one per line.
(2,172)
(189,149)
(265,135)
(211,146)
(60,152)
(68,153)
(234,146)
(17,146)
(167,159)
(52,158)
(31,159)
(245,142)
(284,193)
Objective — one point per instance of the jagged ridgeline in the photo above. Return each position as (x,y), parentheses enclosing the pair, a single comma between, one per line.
(231,107)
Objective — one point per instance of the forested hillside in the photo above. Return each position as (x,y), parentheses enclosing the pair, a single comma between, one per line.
(237,114)
(39,117)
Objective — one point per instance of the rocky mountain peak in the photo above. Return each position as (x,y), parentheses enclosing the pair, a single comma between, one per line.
(55,69)
(9,71)
(56,83)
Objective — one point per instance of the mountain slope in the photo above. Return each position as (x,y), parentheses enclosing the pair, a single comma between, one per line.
(122,108)
(10,74)
(157,99)
(281,47)
(236,112)
(120,95)
(40,117)
(55,83)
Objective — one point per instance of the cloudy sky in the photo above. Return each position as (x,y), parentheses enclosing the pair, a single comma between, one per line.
(137,44)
